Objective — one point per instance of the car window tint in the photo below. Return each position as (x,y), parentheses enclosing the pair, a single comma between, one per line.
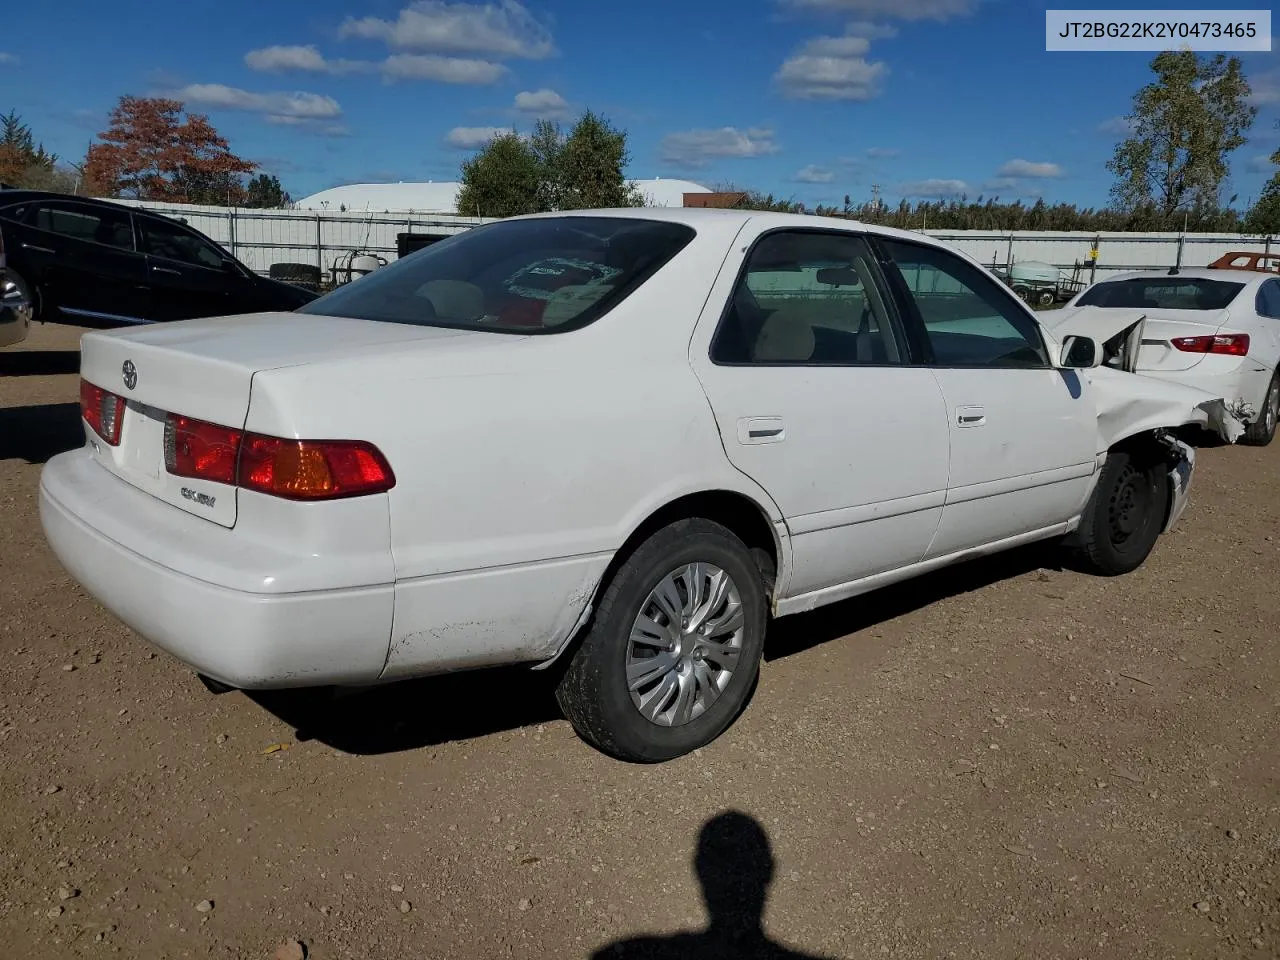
(969,318)
(160,239)
(1161,293)
(548,274)
(95,224)
(807,298)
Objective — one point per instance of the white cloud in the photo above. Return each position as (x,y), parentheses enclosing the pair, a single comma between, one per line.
(832,68)
(697,148)
(400,66)
(1028,169)
(1116,126)
(7,57)
(882,153)
(504,29)
(1260,163)
(311,126)
(933,188)
(1266,89)
(814,174)
(280,107)
(472,138)
(890,9)
(541,103)
(872,31)
(415,66)
(307,59)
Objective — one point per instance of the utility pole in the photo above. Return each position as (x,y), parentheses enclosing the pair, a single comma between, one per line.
(875,197)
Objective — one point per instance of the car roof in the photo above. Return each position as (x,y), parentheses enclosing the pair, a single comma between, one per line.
(9,197)
(765,219)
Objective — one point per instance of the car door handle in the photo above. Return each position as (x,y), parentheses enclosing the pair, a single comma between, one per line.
(761,430)
(971,416)
(36,248)
(176,273)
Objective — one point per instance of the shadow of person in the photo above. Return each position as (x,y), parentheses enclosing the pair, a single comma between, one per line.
(735,866)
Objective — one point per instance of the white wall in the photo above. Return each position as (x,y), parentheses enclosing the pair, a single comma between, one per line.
(263,237)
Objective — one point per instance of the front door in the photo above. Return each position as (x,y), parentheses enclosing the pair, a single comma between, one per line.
(1023,433)
(190,277)
(812,383)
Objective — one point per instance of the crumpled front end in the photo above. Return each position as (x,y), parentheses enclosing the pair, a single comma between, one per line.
(1129,404)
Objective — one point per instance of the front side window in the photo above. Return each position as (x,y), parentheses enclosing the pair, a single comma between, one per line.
(808,298)
(172,242)
(970,320)
(1161,293)
(546,274)
(112,228)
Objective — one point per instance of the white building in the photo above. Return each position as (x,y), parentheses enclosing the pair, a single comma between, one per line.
(441,198)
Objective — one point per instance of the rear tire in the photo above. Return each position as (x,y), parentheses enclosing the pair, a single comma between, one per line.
(684,563)
(1263,430)
(305,275)
(1128,514)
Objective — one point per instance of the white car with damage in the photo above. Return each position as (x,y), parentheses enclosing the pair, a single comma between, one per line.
(616,442)
(1214,329)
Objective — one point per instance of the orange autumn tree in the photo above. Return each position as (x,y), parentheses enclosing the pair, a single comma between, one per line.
(154,150)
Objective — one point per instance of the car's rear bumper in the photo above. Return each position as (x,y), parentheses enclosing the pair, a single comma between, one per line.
(241,638)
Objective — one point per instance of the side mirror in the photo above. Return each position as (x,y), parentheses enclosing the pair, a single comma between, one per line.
(230,266)
(1081,353)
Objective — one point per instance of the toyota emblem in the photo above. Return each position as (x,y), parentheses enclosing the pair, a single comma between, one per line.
(130,374)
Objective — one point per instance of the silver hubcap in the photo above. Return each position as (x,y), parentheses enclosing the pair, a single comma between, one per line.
(13,289)
(1273,406)
(685,644)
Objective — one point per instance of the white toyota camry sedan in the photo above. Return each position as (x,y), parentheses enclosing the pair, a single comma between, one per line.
(1214,329)
(619,442)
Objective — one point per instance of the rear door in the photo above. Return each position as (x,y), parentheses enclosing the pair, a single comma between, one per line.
(189,275)
(86,260)
(819,400)
(1022,433)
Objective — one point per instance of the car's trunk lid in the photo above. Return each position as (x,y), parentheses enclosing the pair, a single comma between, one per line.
(204,369)
(1141,341)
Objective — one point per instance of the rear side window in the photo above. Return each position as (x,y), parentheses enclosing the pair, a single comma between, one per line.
(112,228)
(1161,293)
(1268,300)
(541,275)
(808,298)
(170,241)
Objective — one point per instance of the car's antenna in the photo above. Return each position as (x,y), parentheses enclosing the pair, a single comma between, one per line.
(1173,271)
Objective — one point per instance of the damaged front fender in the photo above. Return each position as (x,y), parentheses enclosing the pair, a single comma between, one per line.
(1129,404)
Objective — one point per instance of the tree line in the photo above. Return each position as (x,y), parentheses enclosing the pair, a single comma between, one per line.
(1169,170)
(152,149)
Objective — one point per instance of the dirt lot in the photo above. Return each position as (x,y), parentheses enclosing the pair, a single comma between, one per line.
(1004,760)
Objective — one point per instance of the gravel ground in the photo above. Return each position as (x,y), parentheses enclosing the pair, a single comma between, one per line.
(1002,760)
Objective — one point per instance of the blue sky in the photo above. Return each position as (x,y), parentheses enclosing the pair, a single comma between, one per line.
(810,99)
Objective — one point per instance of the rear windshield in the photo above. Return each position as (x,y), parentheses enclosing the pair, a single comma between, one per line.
(519,276)
(1162,293)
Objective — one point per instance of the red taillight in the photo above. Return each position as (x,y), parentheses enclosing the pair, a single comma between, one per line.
(193,448)
(1232,344)
(102,410)
(313,469)
(293,469)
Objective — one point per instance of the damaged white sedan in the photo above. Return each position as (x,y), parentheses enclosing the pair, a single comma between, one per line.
(616,442)
(1217,330)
